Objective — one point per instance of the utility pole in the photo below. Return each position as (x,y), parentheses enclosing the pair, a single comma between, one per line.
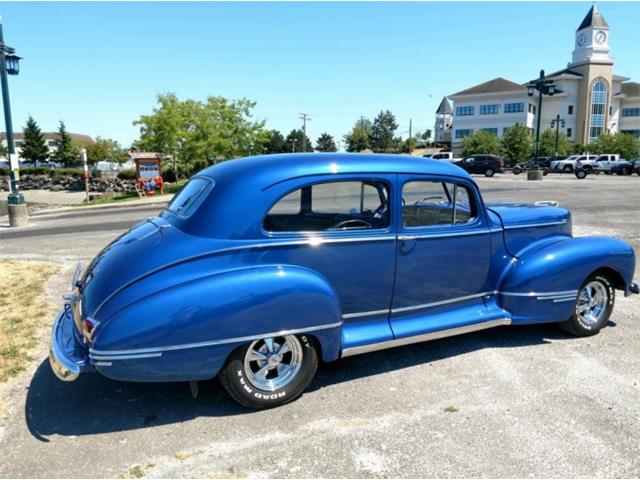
(304,117)
(557,123)
(362,132)
(9,64)
(410,137)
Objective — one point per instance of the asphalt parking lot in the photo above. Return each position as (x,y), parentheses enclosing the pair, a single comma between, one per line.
(509,402)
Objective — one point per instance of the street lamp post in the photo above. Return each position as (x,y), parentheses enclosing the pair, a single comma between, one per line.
(544,87)
(10,65)
(557,123)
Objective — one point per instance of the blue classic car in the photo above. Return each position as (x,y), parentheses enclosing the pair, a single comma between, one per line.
(262,266)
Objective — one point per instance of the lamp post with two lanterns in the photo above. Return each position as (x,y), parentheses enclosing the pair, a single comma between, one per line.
(544,86)
(557,123)
(10,65)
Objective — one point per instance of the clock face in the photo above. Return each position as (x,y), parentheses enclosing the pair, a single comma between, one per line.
(581,39)
(601,37)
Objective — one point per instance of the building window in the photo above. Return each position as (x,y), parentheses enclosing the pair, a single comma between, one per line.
(491,130)
(598,104)
(569,132)
(18,143)
(463,132)
(513,107)
(532,108)
(631,112)
(635,133)
(52,143)
(570,110)
(464,111)
(489,109)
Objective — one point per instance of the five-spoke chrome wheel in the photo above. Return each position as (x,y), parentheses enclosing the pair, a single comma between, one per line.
(271,363)
(592,303)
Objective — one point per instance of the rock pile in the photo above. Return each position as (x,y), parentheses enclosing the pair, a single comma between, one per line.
(68,182)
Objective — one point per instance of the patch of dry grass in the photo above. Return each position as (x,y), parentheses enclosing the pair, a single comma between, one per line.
(23,310)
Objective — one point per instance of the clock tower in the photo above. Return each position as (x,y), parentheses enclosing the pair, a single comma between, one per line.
(592,39)
(592,61)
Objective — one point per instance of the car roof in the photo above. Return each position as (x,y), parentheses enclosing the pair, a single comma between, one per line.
(271,169)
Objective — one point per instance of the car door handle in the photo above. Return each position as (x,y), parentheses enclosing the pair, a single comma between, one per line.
(406,238)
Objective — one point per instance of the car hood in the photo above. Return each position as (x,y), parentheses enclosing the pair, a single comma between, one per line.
(145,248)
(524,224)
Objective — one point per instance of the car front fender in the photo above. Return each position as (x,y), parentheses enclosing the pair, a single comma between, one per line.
(194,325)
(542,284)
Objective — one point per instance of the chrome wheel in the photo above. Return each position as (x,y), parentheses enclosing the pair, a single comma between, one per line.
(592,303)
(271,363)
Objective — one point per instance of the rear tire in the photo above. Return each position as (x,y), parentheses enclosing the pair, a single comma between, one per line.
(592,308)
(516,170)
(489,172)
(270,372)
(581,174)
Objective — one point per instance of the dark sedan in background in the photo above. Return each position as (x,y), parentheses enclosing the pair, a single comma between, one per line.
(485,164)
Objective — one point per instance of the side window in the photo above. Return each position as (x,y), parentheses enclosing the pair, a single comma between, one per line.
(349,205)
(428,203)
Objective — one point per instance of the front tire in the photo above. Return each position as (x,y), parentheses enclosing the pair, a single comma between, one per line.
(593,307)
(270,372)
(581,174)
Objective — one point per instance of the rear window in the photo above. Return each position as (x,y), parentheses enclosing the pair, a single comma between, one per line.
(189,197)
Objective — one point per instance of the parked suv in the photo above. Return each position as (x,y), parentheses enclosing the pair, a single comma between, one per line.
(605,163)
(487,164)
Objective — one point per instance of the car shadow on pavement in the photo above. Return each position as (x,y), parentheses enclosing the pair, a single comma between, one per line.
(94,404)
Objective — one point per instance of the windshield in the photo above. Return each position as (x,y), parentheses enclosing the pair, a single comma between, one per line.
(190,196)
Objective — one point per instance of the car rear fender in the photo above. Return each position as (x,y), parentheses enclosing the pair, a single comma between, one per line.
(228,309)
(542,284)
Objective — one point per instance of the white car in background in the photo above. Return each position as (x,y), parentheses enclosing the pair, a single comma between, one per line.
(569,164)
(442,156)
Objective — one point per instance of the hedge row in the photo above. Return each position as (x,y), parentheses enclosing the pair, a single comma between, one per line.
(54,172)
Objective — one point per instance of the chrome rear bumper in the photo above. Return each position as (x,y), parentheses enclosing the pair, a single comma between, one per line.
(68,358)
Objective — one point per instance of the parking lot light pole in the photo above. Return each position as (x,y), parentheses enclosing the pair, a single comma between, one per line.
(10,65)
(556,123)
(544,87)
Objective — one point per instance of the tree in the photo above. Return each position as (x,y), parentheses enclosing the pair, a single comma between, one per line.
(295,139)
(4,153)
(480,141)
(104,149)
(34,148)
(516,144)
(409,145)
(358,139)
(325,143)
(67,152)
(426,135)
(275,143)
(625,145)
(195,134)
(383,131)
(548,144)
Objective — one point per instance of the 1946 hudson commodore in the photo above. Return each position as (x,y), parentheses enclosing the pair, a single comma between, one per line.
(263,265)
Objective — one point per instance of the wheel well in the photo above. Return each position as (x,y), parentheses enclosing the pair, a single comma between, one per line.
(613,275)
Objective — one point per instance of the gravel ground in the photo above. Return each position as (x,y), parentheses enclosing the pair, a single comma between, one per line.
(509,402)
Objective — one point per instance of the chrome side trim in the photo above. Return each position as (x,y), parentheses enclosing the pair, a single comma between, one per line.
(442,302)
(532,225)
(348,352)
(366,314)
(540,294)
(568,299)
(156,351)
(443,235)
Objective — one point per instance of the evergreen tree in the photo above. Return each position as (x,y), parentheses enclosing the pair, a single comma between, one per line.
(294,142)
(325,143)
(67,152)
(382,132)
(275,143)
(34,148)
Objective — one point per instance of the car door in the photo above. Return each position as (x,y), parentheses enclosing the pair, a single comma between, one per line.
(443,255)
(340,227)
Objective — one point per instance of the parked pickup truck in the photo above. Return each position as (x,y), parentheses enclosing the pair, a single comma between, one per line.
(446,156)
(606,163)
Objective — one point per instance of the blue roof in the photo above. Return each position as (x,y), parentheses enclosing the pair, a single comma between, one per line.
(275,168)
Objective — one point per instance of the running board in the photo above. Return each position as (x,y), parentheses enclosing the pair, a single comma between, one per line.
(398,342)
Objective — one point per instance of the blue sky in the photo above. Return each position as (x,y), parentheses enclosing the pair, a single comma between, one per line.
(99,66)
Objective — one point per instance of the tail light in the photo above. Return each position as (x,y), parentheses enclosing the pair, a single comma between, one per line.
(89,326)
(501,162)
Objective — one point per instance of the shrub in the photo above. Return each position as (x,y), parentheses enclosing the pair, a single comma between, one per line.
(127,174)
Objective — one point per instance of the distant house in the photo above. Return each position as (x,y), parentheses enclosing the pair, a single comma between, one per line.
(50,138)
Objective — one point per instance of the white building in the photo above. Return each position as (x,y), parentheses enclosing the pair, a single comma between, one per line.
(593,100)
(50,139)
